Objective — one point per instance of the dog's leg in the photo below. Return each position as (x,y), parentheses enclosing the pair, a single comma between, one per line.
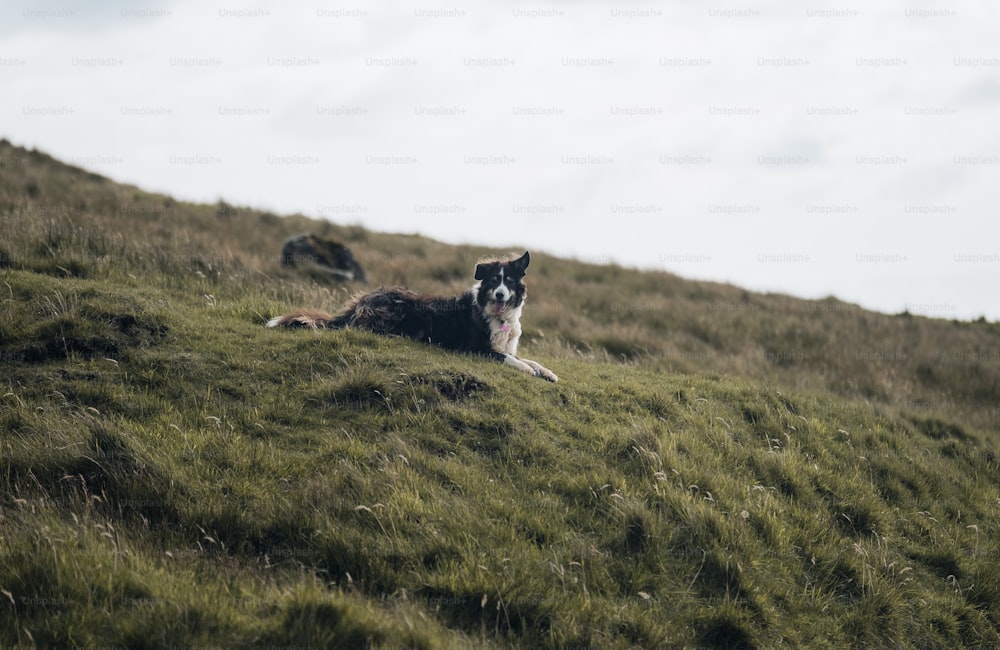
(532,368)
(511,360)
(540,370)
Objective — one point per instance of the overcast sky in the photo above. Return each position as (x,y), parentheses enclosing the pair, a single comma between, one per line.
(844,148)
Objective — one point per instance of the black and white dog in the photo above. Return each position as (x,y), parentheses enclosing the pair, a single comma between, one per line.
(484,320)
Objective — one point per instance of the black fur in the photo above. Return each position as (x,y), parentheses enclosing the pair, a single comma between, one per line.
(457,324)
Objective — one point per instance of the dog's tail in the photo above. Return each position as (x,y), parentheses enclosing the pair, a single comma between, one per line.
(313,319)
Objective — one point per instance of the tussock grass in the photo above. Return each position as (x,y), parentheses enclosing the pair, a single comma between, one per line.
(715,469)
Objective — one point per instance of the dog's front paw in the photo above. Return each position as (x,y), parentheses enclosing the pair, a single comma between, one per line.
(533,368)
(545,373)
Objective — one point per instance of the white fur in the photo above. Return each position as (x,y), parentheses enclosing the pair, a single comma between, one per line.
(502,292)
(505,329)
(505,332)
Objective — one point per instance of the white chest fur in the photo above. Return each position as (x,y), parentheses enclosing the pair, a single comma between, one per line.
(506,331)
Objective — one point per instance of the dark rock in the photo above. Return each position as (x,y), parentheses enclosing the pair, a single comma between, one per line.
(322,258)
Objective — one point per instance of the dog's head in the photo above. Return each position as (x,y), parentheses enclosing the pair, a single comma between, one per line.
(501,284)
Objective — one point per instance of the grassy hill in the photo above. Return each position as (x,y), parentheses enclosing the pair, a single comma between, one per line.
(715,468)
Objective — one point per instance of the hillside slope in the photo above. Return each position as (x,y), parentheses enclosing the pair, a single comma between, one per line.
(716,468)
(84,224)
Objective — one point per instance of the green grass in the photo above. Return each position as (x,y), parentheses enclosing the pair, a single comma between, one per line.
(715,468)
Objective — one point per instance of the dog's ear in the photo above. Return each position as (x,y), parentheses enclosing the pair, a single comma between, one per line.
(483,270)
(521,264)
